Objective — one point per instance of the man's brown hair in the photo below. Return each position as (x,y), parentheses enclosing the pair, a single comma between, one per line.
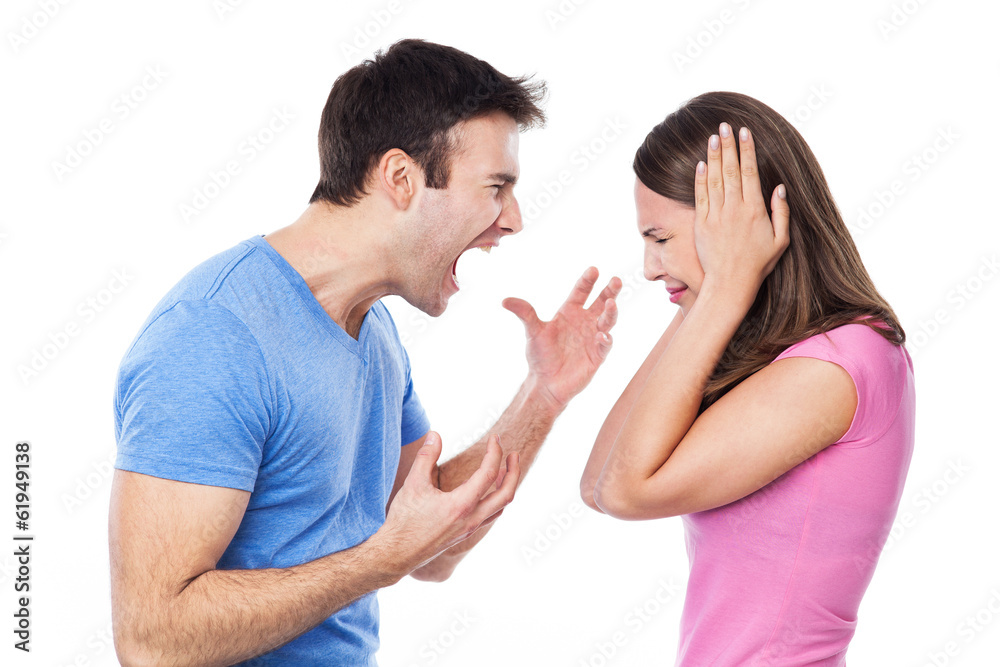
(410,97)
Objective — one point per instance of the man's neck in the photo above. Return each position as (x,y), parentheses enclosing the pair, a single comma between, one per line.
(332,249)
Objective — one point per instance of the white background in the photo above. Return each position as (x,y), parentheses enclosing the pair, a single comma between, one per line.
(868,95)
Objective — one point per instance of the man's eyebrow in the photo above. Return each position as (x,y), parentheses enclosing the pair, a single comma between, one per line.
(504,176)
(649,231)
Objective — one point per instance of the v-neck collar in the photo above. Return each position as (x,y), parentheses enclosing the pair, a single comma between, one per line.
(298,283)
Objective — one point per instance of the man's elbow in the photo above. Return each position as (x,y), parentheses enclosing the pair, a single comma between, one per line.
(142,642)
(134,653)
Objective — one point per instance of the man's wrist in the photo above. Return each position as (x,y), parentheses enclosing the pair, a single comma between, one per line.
(538,394)
(382,549)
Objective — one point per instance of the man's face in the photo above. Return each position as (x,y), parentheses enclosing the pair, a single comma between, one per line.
(476,210)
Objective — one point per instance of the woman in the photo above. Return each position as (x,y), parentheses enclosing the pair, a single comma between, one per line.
(776,412)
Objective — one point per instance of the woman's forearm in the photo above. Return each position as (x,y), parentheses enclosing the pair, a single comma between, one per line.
(668,402)
(613,422)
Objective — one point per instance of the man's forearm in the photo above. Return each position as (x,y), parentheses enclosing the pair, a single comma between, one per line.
(522,427)
(226,616)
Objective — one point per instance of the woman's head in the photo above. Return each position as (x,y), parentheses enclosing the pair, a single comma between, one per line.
(818,283)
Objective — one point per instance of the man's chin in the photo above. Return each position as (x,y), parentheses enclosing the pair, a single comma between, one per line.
(429,306)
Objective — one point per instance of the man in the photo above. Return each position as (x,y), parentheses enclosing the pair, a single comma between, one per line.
(275,467)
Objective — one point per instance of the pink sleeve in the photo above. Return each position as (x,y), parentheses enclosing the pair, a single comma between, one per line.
(873,363)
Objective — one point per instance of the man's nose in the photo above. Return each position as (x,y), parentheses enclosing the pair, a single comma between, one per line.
(510,217)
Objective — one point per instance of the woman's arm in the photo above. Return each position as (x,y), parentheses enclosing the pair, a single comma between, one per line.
(667,405)
(738,245)
(613,423)
(762,428)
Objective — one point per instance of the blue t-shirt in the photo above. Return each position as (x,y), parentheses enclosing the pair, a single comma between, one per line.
(240,379)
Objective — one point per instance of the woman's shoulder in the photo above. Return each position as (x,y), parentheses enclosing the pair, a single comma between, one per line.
(881,370)
(856,342)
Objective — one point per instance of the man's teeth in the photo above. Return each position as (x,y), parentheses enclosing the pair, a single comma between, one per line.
(486,248)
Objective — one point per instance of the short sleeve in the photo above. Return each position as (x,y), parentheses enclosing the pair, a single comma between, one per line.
(415,423)
(872,362)
(822,347)
(192,399)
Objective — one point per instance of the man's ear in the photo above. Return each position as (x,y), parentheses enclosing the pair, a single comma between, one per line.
(399,177)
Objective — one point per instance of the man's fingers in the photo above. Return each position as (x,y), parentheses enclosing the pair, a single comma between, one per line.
(610,292)
(423,468)
(497,500)
(483,478)
(491,519)
(500,476)
(583,287)
(604,343)
(524,311)
(608,317)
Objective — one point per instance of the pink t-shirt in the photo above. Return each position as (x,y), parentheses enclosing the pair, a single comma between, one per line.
(777,576)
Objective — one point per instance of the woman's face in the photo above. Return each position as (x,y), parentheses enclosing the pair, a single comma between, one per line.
(667,229)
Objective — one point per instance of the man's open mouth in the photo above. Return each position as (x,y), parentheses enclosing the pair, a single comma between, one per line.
(454,266)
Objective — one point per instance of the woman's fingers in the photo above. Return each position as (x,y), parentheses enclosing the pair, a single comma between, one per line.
(716,188)
(732,185)
(780,215)
(701,191)
(748,168)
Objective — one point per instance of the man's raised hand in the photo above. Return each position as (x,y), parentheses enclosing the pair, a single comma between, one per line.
(565,352)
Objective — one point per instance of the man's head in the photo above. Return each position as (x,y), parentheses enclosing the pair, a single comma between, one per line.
(428,136)
(410,97)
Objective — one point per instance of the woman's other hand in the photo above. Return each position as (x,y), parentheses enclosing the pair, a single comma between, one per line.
(738,245)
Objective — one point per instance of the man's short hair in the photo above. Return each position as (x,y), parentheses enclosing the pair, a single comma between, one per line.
(409,97)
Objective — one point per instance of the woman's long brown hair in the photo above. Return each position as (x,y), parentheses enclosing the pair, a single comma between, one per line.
(819,282)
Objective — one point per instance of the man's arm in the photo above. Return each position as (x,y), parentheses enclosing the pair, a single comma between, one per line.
(613,422)
(563,356)
(522,428)
(170,606)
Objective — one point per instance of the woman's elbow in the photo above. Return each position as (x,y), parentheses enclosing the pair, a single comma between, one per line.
(611,502)
(627,504)
(587,494)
